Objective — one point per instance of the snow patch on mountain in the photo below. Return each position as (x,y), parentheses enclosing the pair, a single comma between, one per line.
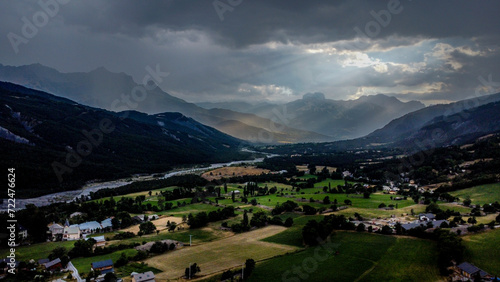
(6,134)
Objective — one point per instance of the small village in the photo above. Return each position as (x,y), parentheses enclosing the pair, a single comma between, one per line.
(97,236)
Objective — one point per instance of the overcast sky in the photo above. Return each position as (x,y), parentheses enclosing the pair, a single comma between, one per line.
(254,50)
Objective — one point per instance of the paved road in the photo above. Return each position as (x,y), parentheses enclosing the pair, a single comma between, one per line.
(72,268)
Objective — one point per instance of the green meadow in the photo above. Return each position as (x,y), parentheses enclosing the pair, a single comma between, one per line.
(483,250)
(361,256)
(482,194)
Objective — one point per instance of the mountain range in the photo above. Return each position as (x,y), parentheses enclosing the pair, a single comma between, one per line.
(451,124)
(60,144)
(340,119)
(310,119)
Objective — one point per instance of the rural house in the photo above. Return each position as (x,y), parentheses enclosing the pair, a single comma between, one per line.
(53,265)
(100,241)
(138,218)
(106,224)
(104,266)
(56,232)
(426,216)
(90,227)
(71,232)
(22,232)
(143,277)
(43,261)
(470,271)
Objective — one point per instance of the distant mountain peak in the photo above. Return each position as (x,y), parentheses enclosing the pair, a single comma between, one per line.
(100,69)
(314,96)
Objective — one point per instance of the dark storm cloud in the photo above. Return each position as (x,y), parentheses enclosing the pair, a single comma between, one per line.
(261,21)
(276,50)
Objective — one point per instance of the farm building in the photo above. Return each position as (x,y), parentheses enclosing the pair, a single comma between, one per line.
(90,227)
(107,223)
(22,232)
(100,241)
(56,232)
(71,232)
(138,218)
(153,217)
(53,265)
(43,261)
(143,277)
(470,271)
(104,266)
(426,216)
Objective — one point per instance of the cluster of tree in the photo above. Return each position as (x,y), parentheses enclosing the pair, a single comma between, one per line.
(122,220)
(61,253)
(450,248)
(308,210)
(440,214)
(113,248)
(123,260)
(228,275)
(321,154)
(185,181)
(201,219)
(259,219)
(146,228)
(159,247)
(33,219)
(221,214)
(313,232)
(178,193)
(243,226)
(279,164)
(191,271)
(253,189)
(287,206)
(123,235)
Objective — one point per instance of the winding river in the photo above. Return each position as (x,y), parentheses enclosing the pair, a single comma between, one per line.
(68,196)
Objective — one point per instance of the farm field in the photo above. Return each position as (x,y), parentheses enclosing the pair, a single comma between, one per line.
(408,259)
(482,194)
(161,224)
(360,256)
(233,171)
(216,256)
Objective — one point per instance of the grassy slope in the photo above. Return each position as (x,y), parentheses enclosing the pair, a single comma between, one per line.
(407,260)
(37,251)
(361,255)
(482,194)
(482,250)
